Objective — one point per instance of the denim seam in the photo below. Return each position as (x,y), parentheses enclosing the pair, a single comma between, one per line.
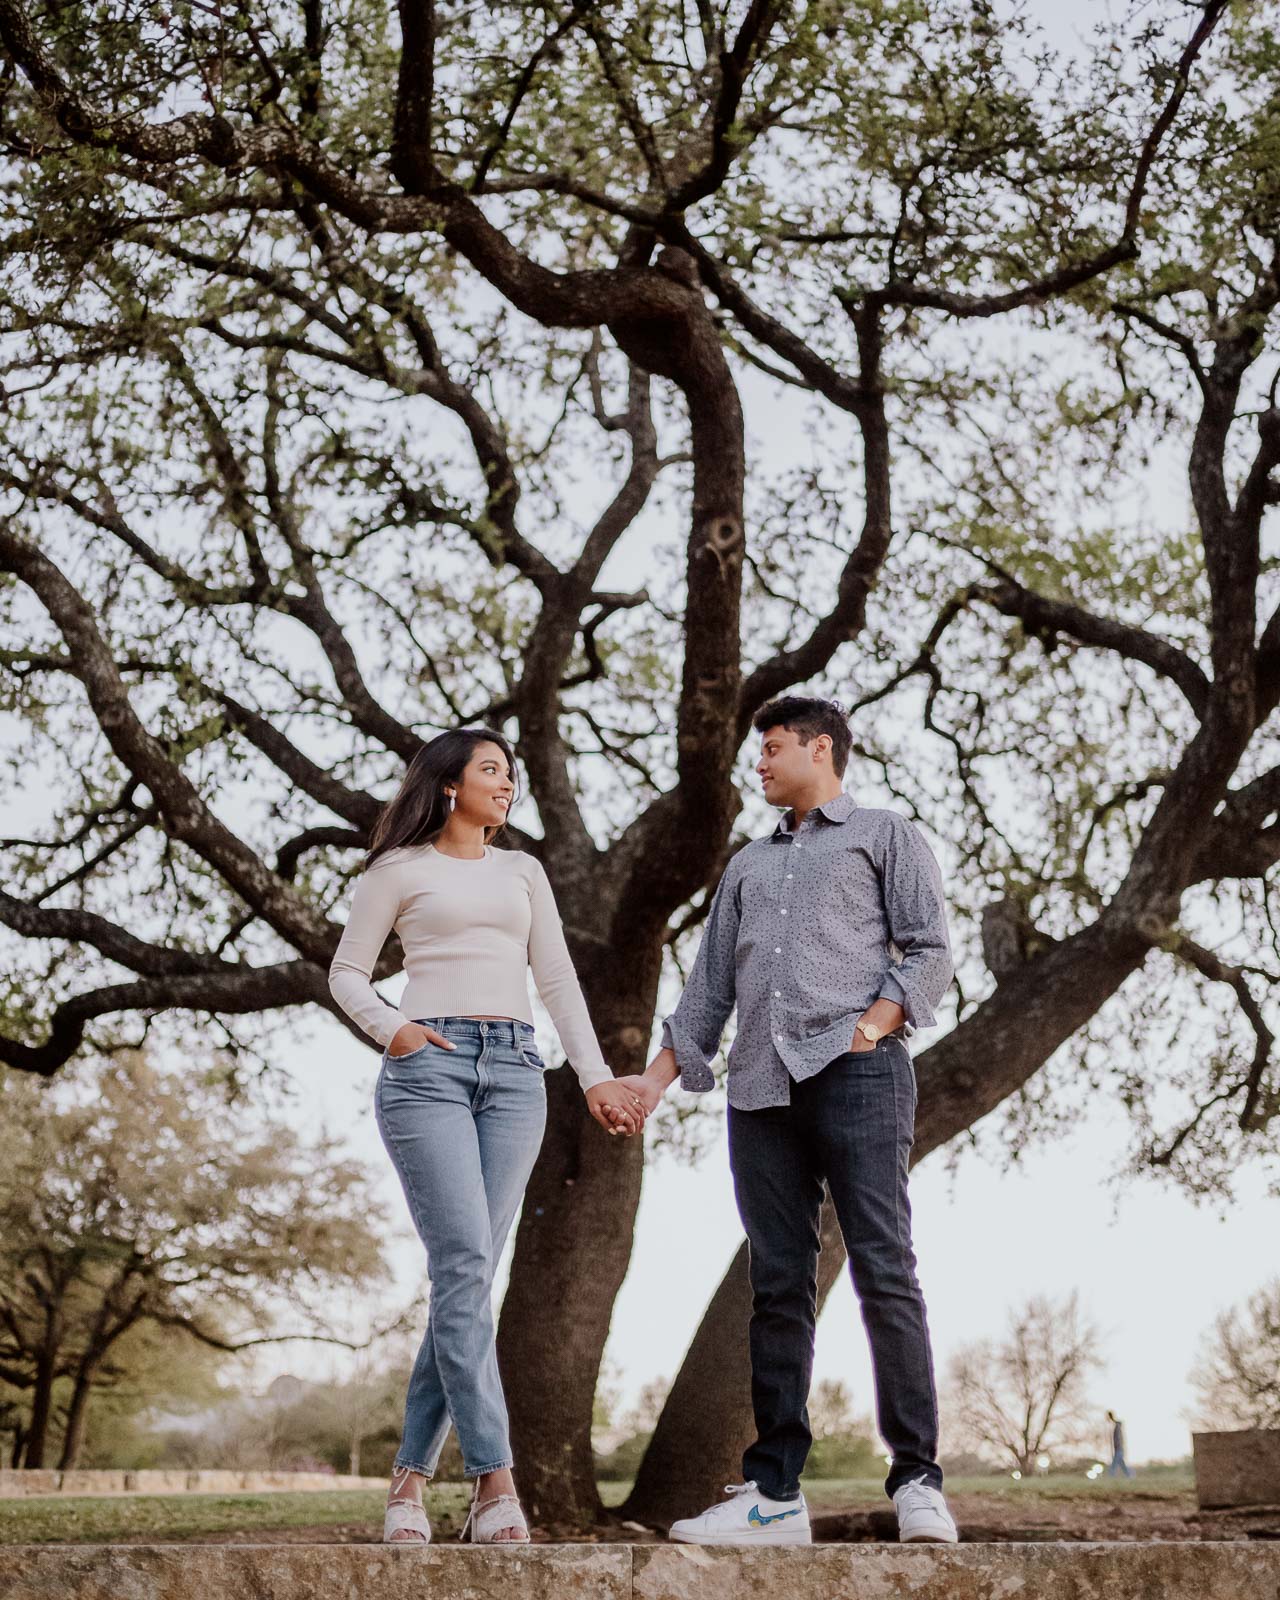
(897,1207)
(479,1472)
(897,1187)
(412,1466)
(407,1179)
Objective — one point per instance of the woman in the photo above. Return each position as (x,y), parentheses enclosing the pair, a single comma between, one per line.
(460,1099)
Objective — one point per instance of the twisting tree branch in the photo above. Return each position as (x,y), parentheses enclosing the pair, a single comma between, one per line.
(1258,1106)
(187,817)
(1042,616)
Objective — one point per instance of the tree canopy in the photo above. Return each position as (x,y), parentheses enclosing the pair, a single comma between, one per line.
(1237,1372)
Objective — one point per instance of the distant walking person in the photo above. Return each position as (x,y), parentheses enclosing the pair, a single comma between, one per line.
(1119,1466)
(460,1100)
(829,936)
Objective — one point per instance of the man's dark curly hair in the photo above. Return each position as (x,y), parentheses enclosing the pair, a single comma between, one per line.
(808,717)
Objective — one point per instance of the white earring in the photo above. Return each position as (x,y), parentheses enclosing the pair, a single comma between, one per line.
(453,800)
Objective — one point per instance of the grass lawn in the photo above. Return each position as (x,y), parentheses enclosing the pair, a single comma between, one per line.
(157,1518)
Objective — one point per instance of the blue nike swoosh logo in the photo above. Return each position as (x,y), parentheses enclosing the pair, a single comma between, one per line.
(757,1521)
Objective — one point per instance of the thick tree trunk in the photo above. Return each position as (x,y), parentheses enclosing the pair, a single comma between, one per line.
(578,1222)
(706,1422)
(77,1418)
(41,1411)
(572,1252)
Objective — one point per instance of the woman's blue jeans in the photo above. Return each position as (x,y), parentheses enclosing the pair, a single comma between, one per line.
(463,1128)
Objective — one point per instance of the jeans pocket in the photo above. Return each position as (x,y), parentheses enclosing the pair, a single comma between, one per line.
(391,1065)
(874,1063)
(530,1057)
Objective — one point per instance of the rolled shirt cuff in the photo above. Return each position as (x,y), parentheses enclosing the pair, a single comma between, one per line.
(918,1011)
(695,1068)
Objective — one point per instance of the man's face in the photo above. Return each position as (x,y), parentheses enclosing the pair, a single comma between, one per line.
(786,767)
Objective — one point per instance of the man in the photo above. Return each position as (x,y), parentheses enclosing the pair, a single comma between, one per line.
(830,938)
(1118,1466)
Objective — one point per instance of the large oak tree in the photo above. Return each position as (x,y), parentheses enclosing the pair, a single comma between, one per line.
(349,355)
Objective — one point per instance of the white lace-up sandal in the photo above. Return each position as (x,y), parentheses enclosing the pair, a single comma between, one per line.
(406,1516)
(486,1522)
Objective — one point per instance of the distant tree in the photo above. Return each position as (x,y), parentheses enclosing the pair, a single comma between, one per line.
(152,1377)
(13,1423)
(649,1403)
(844,1443)
(608,1398)
(132,1197)
(831,1411)
(1026,1394)
(337,1420)
(369,1401)
(1237,1372)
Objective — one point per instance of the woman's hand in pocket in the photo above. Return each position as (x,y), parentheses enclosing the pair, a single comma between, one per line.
(413,1036)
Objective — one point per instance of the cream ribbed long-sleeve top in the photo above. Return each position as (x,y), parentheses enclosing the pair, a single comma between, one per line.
(470,932)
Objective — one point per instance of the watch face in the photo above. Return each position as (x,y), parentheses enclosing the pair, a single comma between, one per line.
(869,1031)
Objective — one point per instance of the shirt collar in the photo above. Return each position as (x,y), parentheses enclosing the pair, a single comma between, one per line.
(838,809)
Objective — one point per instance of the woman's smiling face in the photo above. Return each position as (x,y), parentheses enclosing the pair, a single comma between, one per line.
(487,787)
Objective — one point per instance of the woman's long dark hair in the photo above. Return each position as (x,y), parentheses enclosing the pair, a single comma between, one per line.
(419,808)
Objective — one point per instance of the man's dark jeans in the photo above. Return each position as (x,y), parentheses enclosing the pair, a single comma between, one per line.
(852,1126)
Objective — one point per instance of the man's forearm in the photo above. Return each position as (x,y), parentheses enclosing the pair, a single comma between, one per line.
(663,1070)
(887,1015)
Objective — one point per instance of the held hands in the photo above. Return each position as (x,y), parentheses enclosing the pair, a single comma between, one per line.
(412,1036)
(617,1108)
(648,1087)
(646,1091)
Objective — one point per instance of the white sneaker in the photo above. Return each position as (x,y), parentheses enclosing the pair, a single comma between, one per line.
(747,1517)
(923,1517)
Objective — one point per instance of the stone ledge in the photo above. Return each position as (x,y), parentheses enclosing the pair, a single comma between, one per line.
(1174,1571)
(304,1572)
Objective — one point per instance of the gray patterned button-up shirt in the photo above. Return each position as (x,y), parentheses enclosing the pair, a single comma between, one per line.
(807,928)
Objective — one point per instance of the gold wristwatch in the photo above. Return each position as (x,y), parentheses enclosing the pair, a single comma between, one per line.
(869,1032)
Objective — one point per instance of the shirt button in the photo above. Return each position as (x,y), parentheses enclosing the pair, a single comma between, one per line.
(777,949)
(790,874)
(783,912)
(777,994)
